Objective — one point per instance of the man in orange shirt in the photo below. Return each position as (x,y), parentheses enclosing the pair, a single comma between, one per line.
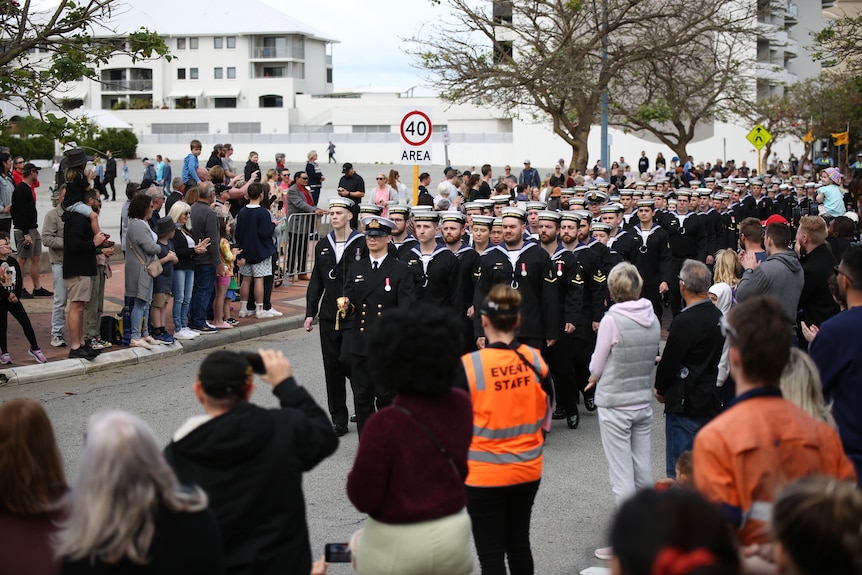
(761,442)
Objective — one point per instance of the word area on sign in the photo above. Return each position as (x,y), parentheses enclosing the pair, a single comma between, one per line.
(415,156)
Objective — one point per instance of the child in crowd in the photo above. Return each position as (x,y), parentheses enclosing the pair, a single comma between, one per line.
(10,293)
(77,184)
(190,165)
(224,273)
(163,284)
(683,474)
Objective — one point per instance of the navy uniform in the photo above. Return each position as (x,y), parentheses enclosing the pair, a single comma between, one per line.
(714,230)
(689,243)
(373,288)
(529,271)
(327,284)
(654,260)
(570,288)
(468,267)
(397,249)
(436,275)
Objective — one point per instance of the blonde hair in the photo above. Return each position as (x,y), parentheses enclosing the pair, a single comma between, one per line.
(727,268)
(800,384)
(122,482)
(624,282)
(814,227)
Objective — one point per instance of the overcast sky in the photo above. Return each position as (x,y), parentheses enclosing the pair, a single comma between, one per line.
(370,53)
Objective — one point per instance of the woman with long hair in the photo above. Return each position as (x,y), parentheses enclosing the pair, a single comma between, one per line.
(404,198)
(32,488)
(142,249)
(800,384)
(7,186)
(509,387)
(128,511)
(383,195)
(184,270)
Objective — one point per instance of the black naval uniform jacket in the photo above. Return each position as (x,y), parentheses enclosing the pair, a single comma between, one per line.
(370,299)
(570,283)
(691,241)
(714,231)
(468,262)
(654,259)
(438,284)
(533,277)
(398,250)
(596,292)
(762,208)
(329,276)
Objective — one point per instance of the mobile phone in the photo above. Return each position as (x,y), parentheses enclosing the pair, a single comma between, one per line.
(254,359)
(337,553)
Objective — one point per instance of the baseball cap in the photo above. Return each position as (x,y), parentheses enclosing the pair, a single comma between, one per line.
(28,168)
(224,373)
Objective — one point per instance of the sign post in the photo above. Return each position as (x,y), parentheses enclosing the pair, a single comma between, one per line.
(415,129)
(759,137)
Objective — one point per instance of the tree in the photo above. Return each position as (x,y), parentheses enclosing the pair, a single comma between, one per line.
(840,42)
(670,97)
(41,50)
(544,57)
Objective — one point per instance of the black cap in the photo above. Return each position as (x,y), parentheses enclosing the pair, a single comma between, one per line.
(224,373)
(346,167)
(29,168)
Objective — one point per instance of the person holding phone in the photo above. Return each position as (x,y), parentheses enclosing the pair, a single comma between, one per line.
(250,459)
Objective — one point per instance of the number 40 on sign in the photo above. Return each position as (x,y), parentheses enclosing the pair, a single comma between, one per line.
(416,131)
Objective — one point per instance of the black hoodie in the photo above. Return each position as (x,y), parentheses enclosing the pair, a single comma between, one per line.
(250,462)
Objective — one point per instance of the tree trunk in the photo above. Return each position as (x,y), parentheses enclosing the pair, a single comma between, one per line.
(580,149)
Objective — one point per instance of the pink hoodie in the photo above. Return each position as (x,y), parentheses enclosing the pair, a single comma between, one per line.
(639,311)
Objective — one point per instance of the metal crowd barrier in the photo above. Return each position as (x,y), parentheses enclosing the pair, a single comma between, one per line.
(297,241)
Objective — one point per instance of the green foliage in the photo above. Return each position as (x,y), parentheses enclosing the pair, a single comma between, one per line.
(656,111)
(35,148)
(122,143)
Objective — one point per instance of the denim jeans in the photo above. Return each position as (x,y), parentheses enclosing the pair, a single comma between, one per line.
(183,283)
(58,310)
(679,436)
(202,295)
(140,313)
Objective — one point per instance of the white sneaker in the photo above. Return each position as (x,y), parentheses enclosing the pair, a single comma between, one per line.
(604,553)
(183,334)
(264,314)
(190,330)
(246,313)
(58,341)
(274,312)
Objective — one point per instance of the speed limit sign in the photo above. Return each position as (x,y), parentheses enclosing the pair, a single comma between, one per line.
(416,131)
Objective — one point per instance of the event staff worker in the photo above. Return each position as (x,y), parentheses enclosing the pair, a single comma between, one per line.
(340,248)
(375,284)
(654,256)
(434,267)
(526,267)
(509,388)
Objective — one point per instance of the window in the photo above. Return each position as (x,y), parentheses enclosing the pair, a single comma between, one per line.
(502,51)
(201,128)
(193,73)
(193,43)
(181,73)
(181,43)
(243,127)
(372,129)
(231,42)
(231,72)
(218,42)
(329,75)
(273,72)
(218,73)
(271,102)
(224,102)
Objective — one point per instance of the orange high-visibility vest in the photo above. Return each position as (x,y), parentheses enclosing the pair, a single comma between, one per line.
(509,406)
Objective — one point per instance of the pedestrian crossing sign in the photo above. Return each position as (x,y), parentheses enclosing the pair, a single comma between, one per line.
(759,136)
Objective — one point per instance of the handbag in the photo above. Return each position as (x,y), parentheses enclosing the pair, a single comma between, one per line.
(154,268)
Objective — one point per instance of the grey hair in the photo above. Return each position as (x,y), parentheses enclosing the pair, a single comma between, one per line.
(695,276)
(177,210)
(155,192)
(624,282)
(123,480)
(205,189)
(311,154)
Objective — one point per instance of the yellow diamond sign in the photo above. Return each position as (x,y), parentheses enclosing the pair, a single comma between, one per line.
(759,136)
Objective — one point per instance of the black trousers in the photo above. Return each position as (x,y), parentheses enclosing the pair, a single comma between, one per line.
(584,343)
(369,393)
(674,294)
(19,313)
(334,371)
(110,182)
(501,527)
(559,358)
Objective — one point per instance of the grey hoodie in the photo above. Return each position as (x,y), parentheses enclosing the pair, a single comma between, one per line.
(780,276)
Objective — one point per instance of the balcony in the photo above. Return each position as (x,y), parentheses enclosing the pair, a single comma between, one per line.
(791,15)
(271,52)
(128,86)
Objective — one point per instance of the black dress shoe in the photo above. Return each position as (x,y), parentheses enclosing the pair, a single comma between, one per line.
(339,430)
(559,413)
(573,420)
(353,418)
(590,403)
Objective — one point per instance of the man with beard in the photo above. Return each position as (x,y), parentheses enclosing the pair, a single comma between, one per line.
(435,269)
(452,229)
(527,268)
(340,248)
(570,286)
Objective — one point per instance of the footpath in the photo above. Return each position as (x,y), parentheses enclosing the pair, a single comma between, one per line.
(288,299)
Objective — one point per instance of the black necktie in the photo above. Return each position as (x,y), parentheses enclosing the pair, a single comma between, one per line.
(374,266)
